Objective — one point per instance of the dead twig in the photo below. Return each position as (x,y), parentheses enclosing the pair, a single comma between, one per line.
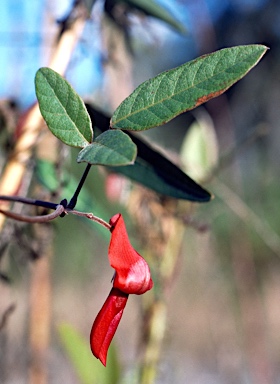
(6,315)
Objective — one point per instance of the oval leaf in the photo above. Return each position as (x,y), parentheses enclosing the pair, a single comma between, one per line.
(112,148)
(154,170)
(63,109)
(158,100)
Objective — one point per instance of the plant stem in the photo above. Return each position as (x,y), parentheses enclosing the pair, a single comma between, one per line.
(90,216)
(59,211)
(6,314)
(26,200)
(74,199)
(35,219)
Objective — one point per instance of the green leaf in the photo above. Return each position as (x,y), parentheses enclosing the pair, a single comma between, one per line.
(113,148)
(154,9)
(154,170)
(158,100)
(63,109)
(199,150)
(87,367)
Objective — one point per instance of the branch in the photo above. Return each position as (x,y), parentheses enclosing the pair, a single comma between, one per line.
(90,216)
(245,213)
(27,200)
(6,314)
(59,210)
(35,219)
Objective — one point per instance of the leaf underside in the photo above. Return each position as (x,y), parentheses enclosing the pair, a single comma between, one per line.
(160,99)
(153,170)
(62,109)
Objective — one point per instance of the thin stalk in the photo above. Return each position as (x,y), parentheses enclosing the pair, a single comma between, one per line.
(90,216)
(35,219)
(6,315)
(74,199)
(26,200)
(59,211)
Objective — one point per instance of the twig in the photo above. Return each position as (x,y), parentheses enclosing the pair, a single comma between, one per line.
(27,200)
(59,210)
(6,314)
(90,216)
(244,212)
(35,219)
(227,158)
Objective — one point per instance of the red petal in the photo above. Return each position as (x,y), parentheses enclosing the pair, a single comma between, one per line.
(106,323)
(132,271)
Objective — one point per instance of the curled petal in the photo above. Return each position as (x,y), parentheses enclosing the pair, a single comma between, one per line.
(106,323)
(132,271)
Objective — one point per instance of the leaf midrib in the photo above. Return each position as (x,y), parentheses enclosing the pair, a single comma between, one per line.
(178,93)
(99,144)
(64,108)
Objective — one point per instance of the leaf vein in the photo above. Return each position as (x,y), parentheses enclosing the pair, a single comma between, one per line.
(192,86)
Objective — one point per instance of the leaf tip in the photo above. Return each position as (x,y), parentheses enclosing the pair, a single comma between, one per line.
(263,48)
(111,125)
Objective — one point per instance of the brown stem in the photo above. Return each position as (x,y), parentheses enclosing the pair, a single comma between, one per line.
(90,216)
(51,216)
(6,315)
(40,308)
(34,219)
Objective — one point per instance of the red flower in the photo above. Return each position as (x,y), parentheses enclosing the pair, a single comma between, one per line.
(132,271)
(132,276)
(106,323)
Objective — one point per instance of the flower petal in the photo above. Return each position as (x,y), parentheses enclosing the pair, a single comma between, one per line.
(106,323)
(132,271)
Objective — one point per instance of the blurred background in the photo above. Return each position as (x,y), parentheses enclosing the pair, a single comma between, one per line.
(222,301)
